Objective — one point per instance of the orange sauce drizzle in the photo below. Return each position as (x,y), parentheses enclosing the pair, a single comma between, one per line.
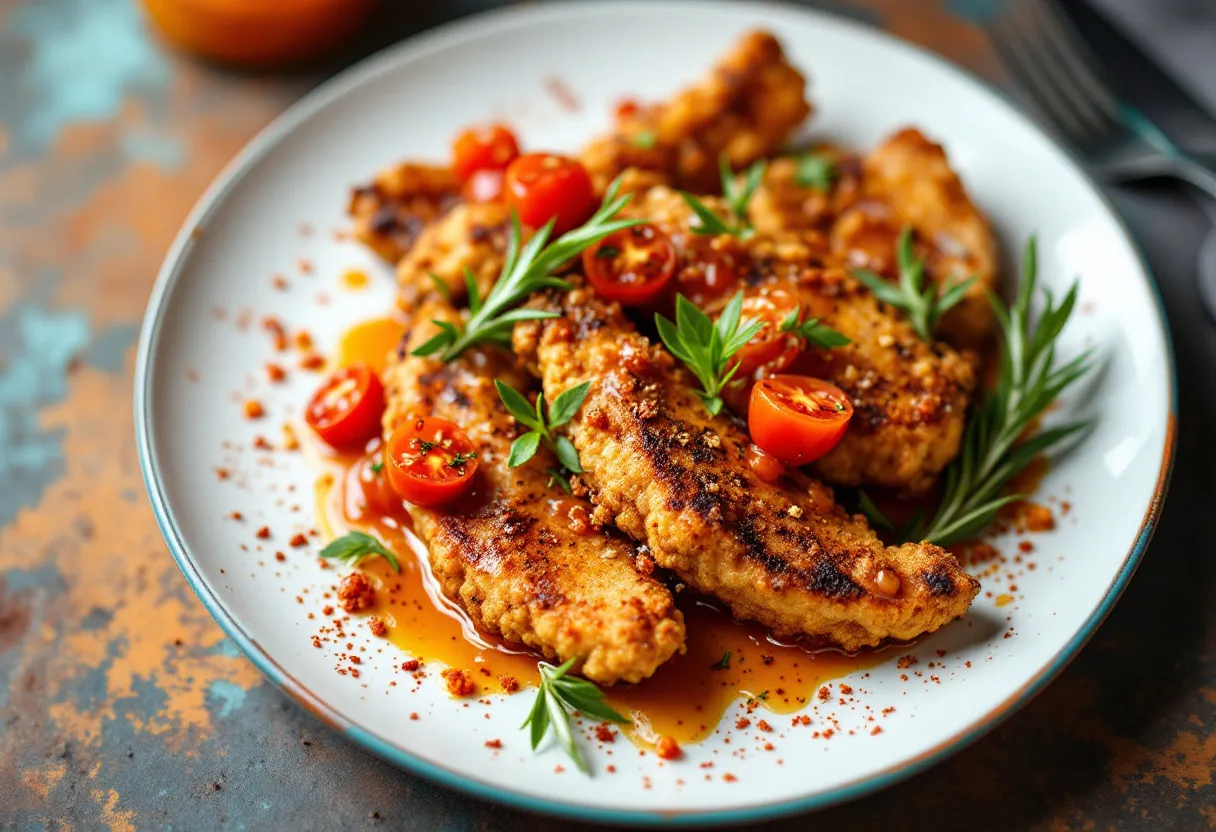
(354,279)
(370,343)
(685,699)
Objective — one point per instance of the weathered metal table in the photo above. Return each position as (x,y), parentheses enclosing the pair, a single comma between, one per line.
(123,705)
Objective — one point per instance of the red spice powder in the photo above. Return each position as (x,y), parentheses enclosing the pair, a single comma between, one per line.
(604,733)
(667,748)
(764,726)
(742,722)
(458,682)
(377,626)
(275,373)
(298,540)
(279,556)
(495,744)
(356,593)
(262,533)
(254,409)
(509,683)
(410,665)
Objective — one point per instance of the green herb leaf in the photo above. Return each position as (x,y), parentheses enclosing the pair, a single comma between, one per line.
(377,467)
(556,477)
(444,290)
(737,198)
(813,332)
(567,404)
(523,449)
(816,170)
(353,547)
(563,409)
(518,406)
(527,268)
(643,139)
(560,696)
(567,455)
(872,512)
(705,347)
(723,663)
(993,452)
(922,304)
(606,252)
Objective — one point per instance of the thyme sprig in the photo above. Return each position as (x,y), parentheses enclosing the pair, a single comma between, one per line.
(527,268)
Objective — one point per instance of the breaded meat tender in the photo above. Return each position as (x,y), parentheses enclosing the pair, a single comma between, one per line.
(910,176)
(909,398)
(673,477)
(522,564)
(472,236)
(392,211)
(750,103)
(905,181)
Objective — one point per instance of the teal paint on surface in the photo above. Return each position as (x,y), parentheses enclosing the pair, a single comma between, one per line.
(976,11)
(108,351)
(231,697)
(143,146)
(36,347)
(84,57)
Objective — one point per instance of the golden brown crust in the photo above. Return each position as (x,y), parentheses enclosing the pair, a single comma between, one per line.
(392,211)
(675,478)
(470,236)
(516,566)
(905,181)
(746,108)
(909,397)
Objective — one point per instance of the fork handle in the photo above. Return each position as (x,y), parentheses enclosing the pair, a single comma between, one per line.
(1201,175)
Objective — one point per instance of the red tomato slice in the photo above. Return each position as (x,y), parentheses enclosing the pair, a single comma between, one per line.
(483,186)
(544,186)
(631,266)
(770,348)
(706,277)
(346,411)
(483,148)
(430,461)
(369,494)
(797,419)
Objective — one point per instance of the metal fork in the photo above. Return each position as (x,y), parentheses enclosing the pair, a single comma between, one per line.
(1054,68)
(1118,143)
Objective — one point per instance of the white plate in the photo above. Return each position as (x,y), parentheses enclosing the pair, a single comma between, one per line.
(407,102)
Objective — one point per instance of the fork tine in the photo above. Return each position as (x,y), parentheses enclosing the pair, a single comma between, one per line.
(1044,54)
(1077,62)
(1021,61)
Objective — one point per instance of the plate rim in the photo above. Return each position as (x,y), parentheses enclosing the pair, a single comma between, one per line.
(437,39)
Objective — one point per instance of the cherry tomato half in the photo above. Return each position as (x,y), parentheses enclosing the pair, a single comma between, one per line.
(544,186)
(633,265)
(369,494)
(483,148)
(346,411)
(708,276)
(483,186)
(797,419)
(429,461)
(771,347)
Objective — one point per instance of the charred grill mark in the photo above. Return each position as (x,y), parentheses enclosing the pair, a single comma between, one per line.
(939,583)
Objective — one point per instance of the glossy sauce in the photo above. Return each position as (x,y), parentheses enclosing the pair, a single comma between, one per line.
(687,697)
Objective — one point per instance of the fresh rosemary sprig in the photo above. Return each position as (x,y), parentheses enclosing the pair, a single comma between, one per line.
(992,454)
(353,547)
(923,305)
(737,198)
(542,428)
(559,696)
(813,332)
(705,347)
(526,269)
(816,170)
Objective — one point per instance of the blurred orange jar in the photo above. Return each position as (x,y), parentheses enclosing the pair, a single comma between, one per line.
(258,34)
